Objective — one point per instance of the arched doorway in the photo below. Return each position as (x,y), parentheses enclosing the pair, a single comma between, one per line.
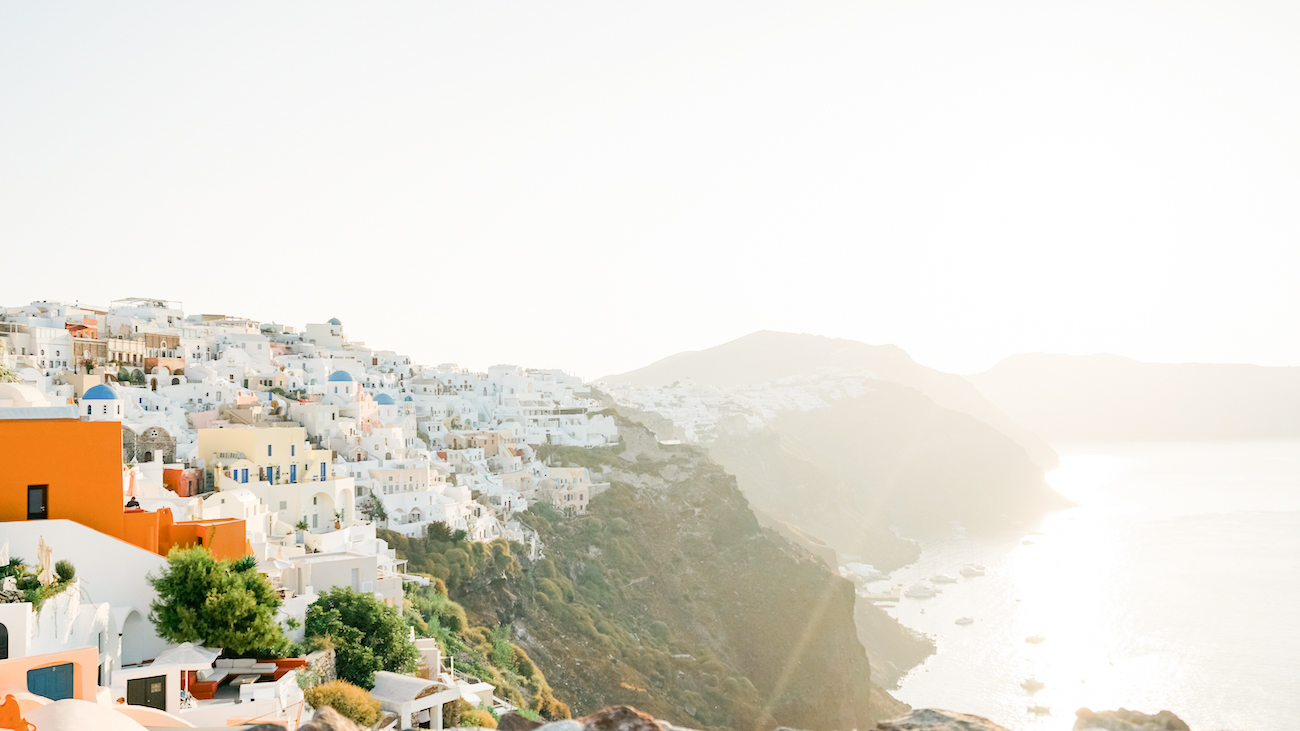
(4,642)
(323,511)
(133,639)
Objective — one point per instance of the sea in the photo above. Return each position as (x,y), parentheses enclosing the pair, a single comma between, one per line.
(1175,584)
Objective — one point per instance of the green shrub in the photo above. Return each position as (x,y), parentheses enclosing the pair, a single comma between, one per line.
(349,700)
(65,570)
(480,717)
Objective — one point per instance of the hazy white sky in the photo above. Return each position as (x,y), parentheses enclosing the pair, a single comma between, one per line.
(594,186)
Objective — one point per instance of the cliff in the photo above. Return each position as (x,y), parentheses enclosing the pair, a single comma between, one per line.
(671,597)
(845,472)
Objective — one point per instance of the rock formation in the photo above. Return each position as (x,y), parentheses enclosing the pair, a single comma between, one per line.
(1126,720)
(932,719)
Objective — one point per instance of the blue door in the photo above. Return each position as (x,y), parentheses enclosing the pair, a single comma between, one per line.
(243,477)
(322,470)
(54,682)
(293,473)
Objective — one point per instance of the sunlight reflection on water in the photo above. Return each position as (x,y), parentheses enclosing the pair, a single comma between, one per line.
(1150,594)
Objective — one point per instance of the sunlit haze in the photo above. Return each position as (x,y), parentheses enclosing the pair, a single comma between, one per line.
(593,186)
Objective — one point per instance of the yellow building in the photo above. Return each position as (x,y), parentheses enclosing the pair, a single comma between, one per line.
(276,454)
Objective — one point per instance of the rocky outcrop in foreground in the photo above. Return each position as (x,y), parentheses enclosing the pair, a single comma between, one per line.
(623,718)
(1126,720)
(931,719)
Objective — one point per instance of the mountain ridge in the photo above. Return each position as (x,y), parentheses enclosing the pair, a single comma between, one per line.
(768,356)
(1106,397)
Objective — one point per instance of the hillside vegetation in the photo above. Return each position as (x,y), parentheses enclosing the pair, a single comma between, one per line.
(671,598)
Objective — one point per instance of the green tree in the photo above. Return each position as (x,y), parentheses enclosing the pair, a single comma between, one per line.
(366,634)
(123,375)
(218,603)
(137,377)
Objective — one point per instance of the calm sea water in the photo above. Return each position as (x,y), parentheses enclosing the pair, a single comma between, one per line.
(1174,585)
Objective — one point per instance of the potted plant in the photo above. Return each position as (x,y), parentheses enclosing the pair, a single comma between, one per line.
(338,519)
(300,526)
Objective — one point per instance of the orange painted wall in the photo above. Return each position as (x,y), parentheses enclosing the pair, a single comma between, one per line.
(81,461)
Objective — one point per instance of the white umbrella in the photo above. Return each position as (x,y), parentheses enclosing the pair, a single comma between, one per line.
(187,656)
(45,556)
(4,553)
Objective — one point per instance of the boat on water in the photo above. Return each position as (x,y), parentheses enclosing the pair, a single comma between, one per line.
(1035,639)
(864,572)
(1033,685)
(920,591)
(885,596)
(1040,710)
(943,579)
(965,620)
(972,569)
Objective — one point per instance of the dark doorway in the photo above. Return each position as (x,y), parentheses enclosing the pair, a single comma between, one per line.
(150,692)
(54,682)
(38,502)
(4,642)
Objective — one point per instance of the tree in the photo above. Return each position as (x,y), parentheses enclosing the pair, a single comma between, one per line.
(123,375)
(347,699)
(89,365)
(373,508)
(438,531)
(366,634)
(218,603)
(137,377)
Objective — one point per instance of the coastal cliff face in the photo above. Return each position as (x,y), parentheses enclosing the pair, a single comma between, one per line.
(670,596)
(845,472)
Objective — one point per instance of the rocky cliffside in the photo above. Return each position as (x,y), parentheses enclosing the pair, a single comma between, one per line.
(845,472)
(671,597)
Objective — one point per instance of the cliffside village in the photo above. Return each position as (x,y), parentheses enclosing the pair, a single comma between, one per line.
(132,429)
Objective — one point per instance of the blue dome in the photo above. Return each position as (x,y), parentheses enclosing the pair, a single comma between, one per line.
(384,399)
(335,321)
(408,398)
(100,393)
(340,376)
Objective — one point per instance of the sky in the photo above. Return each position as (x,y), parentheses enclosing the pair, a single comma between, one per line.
(594,186)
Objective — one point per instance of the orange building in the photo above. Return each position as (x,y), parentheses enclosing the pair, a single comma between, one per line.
(72,469)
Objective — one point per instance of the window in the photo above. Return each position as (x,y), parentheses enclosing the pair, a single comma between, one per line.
(53,682)
(284,505)
(38,502)
(268,450)
(293,450)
